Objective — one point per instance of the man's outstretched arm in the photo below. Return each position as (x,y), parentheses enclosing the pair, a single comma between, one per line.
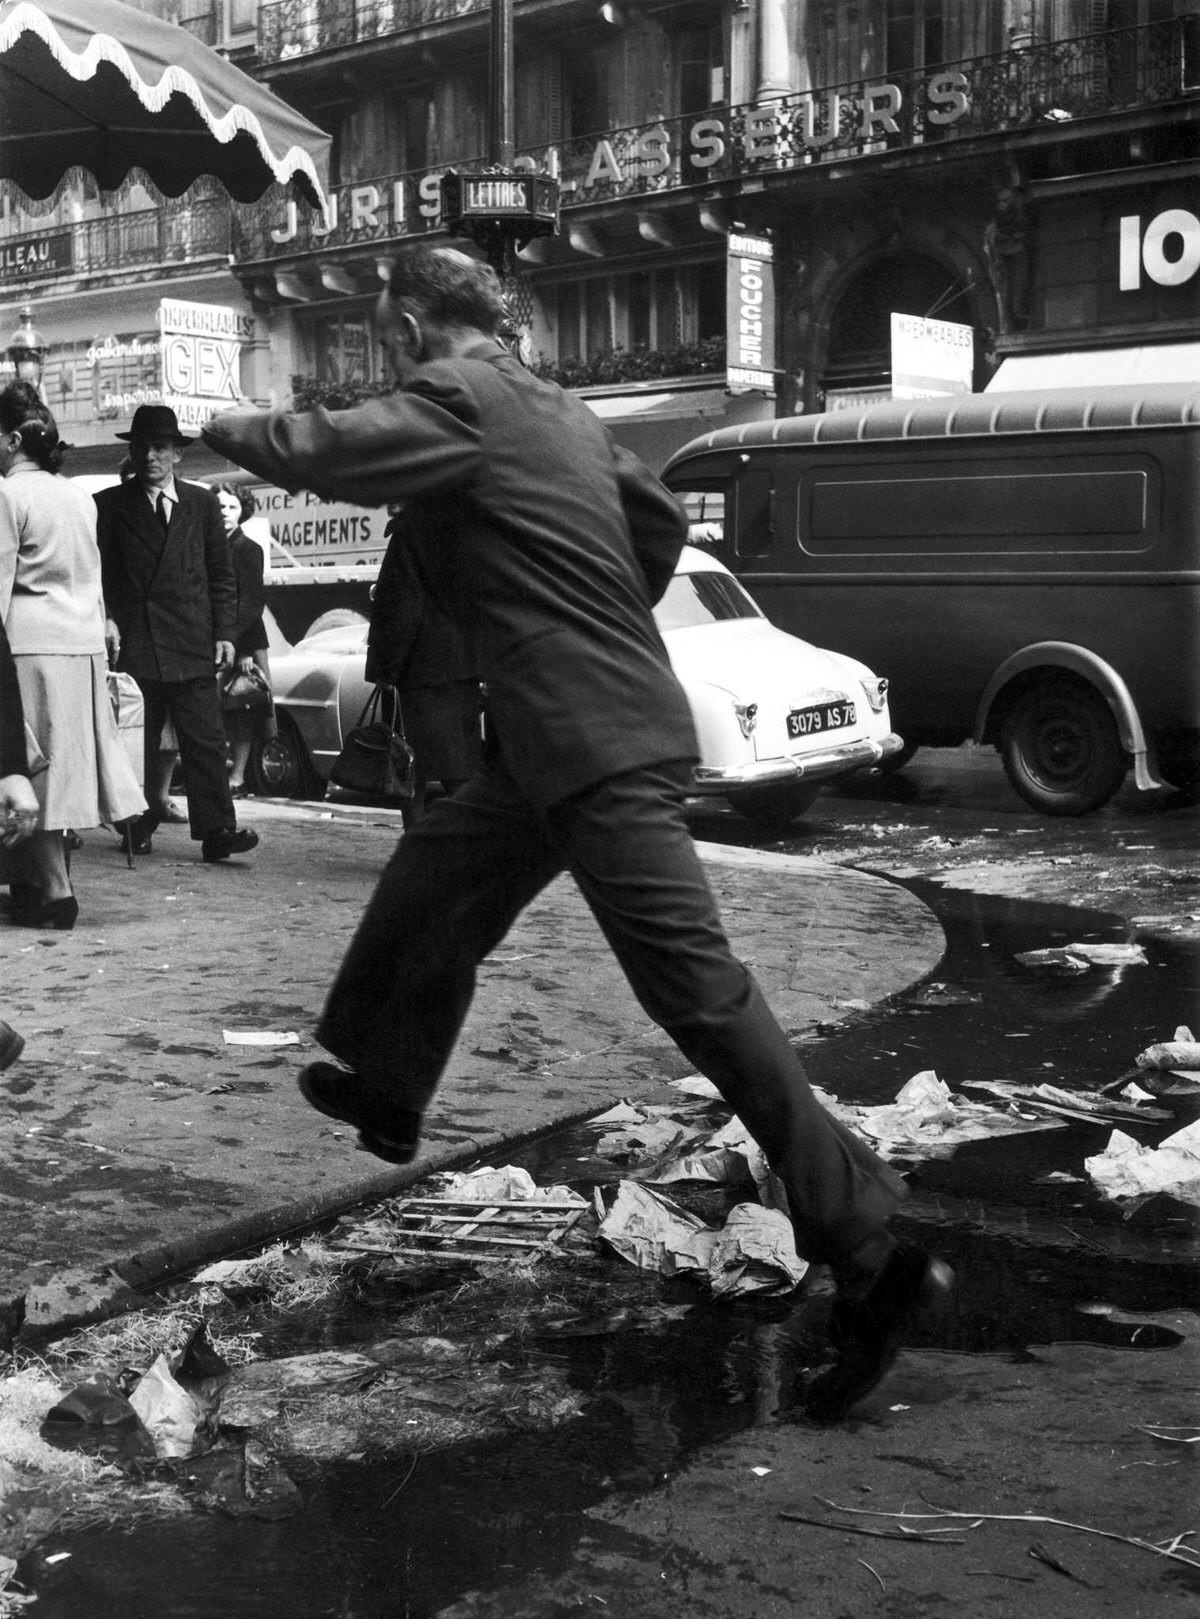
(383,451)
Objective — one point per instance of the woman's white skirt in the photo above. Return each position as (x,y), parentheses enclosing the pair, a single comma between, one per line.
(88,779)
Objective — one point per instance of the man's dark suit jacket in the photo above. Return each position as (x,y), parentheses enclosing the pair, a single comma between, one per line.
(172,596)
(544,541)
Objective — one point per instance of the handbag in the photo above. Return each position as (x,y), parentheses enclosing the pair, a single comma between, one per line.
(376,759)
(245,692)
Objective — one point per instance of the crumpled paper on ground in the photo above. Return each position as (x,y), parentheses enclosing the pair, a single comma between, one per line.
(168,1412)
(1127,1169)
(254,1395)
(507,1184)
(755,1252)
(928,1121)
(656,1234)
(1181,1055)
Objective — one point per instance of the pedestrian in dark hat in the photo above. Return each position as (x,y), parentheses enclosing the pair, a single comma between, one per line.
(169,590)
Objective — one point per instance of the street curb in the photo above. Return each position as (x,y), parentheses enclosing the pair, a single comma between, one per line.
(155,1267)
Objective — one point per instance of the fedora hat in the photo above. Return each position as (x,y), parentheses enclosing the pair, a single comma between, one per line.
(155,421)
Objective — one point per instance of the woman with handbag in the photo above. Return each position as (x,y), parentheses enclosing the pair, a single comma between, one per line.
(246,689)
(53,612)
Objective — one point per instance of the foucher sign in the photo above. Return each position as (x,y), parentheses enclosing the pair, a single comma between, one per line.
(750,314)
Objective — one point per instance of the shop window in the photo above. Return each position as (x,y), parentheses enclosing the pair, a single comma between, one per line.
(339,347)
(645,310)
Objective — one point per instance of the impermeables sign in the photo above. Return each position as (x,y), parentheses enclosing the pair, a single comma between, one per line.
(201,357)
(750,314)
(931,357)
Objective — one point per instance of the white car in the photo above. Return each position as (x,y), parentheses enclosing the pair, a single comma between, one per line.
(775,717)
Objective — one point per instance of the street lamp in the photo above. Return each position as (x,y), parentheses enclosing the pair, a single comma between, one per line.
(504,207)
(27,349)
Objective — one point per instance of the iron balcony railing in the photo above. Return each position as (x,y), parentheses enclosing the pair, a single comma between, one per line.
(1029,90)
(1045,85)
(179,232)
(292,28)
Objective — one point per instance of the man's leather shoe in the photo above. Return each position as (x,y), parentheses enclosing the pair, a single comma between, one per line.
(11,1045)
(866,1329)
(330,1089)
(230,840)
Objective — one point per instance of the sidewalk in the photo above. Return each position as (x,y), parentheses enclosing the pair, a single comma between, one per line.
(136,1141)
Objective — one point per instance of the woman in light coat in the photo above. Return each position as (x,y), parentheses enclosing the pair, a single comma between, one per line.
(53,612)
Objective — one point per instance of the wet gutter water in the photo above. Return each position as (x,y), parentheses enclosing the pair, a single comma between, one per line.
(1039,1261)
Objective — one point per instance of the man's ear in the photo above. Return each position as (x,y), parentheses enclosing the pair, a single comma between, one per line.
(414,337)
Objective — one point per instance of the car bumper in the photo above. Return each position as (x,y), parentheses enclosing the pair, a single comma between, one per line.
(822,766)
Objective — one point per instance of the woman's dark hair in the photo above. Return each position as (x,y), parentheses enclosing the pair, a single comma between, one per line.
(447,287)
(22,412)
(241,494)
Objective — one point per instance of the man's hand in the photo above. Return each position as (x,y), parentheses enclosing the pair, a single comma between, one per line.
(18,809)
(112,641)
(246,665)
(223,657)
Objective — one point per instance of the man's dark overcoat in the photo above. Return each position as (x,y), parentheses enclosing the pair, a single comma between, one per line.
(172,596)
(547,544)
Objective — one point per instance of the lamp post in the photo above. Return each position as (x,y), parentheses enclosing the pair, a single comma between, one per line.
(26,351)
(504,207)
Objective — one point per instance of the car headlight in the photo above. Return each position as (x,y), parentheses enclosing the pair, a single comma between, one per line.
(747,717)
(876,691)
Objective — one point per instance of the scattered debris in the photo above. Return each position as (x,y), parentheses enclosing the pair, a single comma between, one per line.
(928,1120)
(1054,1100)
(168,1412)
(496,1232)
(1126,1169)
(260,1037)
(937,995)
(755,1252)
(655,1234)
(1175,1549)
(1078,958)
(1183,1053)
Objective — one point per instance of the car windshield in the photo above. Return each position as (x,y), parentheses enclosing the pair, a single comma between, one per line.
(702,598)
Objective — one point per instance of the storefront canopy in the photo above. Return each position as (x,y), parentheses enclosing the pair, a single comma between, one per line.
(1098,368)
(99,85)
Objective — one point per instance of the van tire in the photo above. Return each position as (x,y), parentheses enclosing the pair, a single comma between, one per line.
(774,806)
(1060,746)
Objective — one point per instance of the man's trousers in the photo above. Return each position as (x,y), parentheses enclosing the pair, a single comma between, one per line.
(195,711)
(458,880)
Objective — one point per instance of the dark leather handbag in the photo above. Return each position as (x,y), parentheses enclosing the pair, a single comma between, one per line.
(245,692)
(376,760)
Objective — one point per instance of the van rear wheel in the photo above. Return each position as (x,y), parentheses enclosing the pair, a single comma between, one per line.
(1061,749)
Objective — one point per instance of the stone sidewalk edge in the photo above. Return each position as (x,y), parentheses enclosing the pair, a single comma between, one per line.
(155,1267)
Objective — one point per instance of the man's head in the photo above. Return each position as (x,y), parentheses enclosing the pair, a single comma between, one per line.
(437,302)
(155,445)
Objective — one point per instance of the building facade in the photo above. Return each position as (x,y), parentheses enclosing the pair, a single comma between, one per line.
(751,190)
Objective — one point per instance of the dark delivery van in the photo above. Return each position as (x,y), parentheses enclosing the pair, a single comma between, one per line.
(1023,567)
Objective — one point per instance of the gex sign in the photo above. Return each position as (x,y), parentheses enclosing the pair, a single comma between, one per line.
(201,357)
